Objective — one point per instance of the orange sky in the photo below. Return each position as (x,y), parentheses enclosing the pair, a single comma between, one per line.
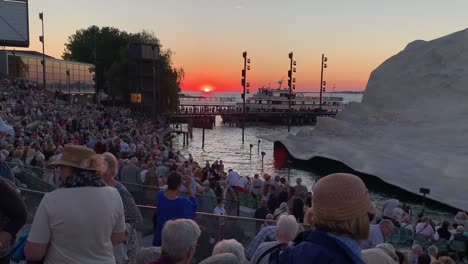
(209,36)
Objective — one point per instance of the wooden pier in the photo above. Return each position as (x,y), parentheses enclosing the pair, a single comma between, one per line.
(207,120)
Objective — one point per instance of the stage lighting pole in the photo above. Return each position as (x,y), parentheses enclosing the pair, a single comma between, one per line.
(41,39)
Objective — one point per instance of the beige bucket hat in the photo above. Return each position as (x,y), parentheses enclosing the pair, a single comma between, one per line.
(80,157)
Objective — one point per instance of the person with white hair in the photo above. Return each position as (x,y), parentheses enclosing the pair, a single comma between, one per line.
(179,242)
(460,234)
(230,246)
(433,252)
(131,212)
(382,254)
(147,255)
(286,230)
(224,258)
(377,234)
(282,210)
(40,158)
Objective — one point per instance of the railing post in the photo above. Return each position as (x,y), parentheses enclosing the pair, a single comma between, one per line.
(203,138)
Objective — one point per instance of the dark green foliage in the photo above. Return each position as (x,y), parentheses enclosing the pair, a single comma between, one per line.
(107,48)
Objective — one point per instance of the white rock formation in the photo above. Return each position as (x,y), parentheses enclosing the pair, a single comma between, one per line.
(411,129)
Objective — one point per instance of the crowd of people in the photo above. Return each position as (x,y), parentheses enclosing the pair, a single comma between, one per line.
(91,216)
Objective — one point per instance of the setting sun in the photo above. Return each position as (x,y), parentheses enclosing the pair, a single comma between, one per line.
(206,88)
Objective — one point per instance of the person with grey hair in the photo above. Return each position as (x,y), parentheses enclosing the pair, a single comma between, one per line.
(131,172)
(230,246)
(179,241)
(147,255)
(433,251)
(223,258)
(40,158)
(131,212)
(286,230)
(377,234)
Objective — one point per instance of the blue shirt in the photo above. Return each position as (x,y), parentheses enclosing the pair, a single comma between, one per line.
(267,234)
(170,210)
(375,238)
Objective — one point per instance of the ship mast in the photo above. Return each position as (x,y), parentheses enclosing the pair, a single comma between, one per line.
(280,83)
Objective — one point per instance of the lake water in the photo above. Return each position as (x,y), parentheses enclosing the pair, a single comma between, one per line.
(225,143)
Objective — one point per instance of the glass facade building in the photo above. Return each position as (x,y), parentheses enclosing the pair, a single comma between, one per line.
(64,76)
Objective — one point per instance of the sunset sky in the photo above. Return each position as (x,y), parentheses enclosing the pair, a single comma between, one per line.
(209,36)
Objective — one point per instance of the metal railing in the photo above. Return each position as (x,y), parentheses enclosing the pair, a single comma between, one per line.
(146,195)
(214,227)
(34,178)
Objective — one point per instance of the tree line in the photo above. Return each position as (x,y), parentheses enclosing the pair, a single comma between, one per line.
(107,48)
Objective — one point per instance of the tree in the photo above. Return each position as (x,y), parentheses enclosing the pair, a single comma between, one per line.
(107,48)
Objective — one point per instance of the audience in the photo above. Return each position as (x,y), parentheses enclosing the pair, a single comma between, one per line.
(337,224)
(446,260)
(377,234)
(286,231)
(299,188)
(443,232)
(433,251)
(424,227)
(424,259)
(12,216)
(262,211)
(341,208)
(416,251)
(230,246)
(179,242)
(147,255)
(264,235)
(170,206)
(131,212)
(402,257)
(298,209)
(282,210)
(223,258)
(66,227)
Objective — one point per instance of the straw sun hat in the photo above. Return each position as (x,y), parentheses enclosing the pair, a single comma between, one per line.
(80,157)
(341,197)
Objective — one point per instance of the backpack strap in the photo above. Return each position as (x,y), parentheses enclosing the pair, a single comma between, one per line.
(422,229)
(268,251)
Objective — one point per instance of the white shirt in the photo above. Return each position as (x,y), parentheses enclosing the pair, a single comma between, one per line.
(424,229)
(124,146)
(257,186)
(233,177)
(242,182)
(66,220)
(133,147)
(219,210)
(143,175)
